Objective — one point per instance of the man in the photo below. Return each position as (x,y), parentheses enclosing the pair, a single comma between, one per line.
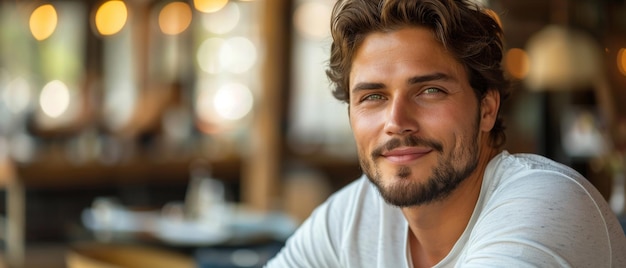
(424,87)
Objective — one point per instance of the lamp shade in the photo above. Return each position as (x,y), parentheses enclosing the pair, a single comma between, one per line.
(562,59)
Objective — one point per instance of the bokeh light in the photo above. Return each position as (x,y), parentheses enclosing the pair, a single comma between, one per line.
(238,54)
(175,18)
(207,55)
(310,20)
(111,17)
(54,99)
(222,21)
(219,107)
(43,21)
(17,95)
(233,101)
(621,61)
(517,63)
(209,6)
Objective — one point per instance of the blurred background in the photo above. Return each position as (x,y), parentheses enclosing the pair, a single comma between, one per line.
(206,129)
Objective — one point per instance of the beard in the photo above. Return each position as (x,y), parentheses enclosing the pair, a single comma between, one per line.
(451,169)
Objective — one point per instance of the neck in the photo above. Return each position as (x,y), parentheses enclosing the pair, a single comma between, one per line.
(434,228)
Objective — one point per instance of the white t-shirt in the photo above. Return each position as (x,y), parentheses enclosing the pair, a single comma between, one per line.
(532,212)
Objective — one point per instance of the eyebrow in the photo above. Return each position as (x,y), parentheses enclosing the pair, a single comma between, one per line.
(367,86)
(411,81)
(429,77)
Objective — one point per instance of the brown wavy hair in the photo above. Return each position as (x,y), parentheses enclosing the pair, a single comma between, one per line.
(463,28)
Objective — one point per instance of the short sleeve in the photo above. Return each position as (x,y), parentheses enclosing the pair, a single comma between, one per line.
(541,219)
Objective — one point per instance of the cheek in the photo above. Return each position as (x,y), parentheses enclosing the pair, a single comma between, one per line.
(449,125)
(443,118)
(364,126)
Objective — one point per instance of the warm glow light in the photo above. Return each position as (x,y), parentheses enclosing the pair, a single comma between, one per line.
(111,17)
(516,63)
(54,99)
(562,58)
(222,21)
(233,101)
(621,61)
(209,6)
(238,54)
(174,18)
(207,56)
(310,19)
(43,21)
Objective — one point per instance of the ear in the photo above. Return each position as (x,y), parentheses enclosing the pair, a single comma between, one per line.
(489,106)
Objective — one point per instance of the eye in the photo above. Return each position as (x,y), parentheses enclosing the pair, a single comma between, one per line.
(432,90)
(372,97)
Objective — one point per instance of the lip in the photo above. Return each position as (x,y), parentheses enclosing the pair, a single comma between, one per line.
(403,155)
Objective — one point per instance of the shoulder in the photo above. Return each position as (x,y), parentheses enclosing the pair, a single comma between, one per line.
(506,166)
(534,177)
(545,211)
(540,185)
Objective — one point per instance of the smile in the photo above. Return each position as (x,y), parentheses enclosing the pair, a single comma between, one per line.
(404,155)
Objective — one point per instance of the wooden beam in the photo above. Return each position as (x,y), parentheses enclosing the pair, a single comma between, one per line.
(261,174)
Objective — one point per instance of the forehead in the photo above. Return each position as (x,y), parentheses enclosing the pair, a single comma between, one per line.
(406,52)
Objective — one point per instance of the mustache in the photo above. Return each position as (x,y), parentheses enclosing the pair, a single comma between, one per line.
(409,141)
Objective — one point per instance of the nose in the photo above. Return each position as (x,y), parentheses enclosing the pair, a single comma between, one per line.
(401,117)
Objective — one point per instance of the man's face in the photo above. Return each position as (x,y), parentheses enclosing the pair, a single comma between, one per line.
(415,118)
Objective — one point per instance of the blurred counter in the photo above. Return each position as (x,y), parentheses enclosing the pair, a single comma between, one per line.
(59,174)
